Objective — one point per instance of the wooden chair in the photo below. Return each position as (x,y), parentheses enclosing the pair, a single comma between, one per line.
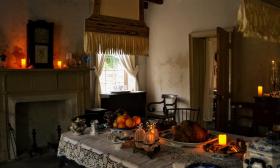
(159,110)
(182,114)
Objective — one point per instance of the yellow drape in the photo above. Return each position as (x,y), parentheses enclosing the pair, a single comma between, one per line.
(115,43)
(259,19)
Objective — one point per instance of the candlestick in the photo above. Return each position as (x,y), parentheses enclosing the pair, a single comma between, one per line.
(23,63)
(260,91)
(222,139)
(59,64)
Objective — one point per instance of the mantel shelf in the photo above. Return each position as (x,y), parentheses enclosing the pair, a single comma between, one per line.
(43,70)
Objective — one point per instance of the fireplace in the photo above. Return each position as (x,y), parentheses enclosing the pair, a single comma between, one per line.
(25,92)
(21,111)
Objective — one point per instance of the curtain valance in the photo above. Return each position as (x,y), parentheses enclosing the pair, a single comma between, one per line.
(259,19)
(115,43)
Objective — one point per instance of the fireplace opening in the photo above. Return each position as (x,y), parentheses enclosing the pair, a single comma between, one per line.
(44,117)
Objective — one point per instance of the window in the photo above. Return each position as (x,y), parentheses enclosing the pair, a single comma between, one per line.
(113,76)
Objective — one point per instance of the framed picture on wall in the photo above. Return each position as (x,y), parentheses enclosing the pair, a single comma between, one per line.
(40,43)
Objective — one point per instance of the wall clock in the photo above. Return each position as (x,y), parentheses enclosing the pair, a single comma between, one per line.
(40,43)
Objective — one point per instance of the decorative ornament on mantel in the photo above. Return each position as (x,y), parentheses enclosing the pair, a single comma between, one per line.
(16,58)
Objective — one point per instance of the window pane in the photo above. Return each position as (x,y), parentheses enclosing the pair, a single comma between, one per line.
(113,76)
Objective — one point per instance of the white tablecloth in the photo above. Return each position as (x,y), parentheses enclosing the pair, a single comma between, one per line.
(98,152)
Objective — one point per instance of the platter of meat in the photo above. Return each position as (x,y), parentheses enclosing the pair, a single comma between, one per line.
(186,134)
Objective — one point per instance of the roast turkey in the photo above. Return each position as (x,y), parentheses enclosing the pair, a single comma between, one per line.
(189,131)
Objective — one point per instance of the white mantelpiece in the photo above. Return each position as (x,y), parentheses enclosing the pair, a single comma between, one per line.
(39,85)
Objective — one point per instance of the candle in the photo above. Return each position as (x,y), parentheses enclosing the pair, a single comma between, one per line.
(260,91)
(23,63)
(149,138)
(59,64)
(222,139)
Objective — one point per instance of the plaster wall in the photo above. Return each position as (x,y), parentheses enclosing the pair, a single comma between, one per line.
(252,67)
(68,17)
(170,24)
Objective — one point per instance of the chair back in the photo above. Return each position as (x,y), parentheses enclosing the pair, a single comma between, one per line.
(169,101)
(182,114)
(158,110)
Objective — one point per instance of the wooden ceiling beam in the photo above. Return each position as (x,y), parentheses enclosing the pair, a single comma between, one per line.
(156,1)
(146,2)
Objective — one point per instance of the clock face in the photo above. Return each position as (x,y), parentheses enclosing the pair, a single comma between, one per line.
(41,54)
(41,35)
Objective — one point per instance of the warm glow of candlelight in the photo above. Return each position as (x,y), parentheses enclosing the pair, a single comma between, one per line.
(260,91)
(23,63)
(59,64)
(222,139)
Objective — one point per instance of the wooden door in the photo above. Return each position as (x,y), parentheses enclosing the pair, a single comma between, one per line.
(197,71)
(223,96)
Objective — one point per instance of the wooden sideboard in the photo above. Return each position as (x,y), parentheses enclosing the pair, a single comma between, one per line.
(267,111)
(133,102)
(255,118)
(22,85)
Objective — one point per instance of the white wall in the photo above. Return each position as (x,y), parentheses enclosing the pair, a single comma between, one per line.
(68,17)
(252,62)
(170,24)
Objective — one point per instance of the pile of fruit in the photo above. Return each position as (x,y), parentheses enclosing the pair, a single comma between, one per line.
(124,121)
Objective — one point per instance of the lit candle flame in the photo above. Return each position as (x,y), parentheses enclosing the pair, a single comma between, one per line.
(23,63)
(222,139)
(59,64)
(260,91)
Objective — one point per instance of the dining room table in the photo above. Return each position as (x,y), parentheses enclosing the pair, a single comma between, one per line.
(98,151)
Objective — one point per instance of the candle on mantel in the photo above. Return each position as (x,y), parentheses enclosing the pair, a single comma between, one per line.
(59,64)
(23,63)
(222,139)
(260,91)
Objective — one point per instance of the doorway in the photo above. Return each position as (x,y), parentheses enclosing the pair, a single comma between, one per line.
(210,73)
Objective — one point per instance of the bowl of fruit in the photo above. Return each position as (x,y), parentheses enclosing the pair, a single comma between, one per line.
(123,126)
(126,122)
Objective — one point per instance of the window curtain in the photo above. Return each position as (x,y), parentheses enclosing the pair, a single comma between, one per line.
(107,43)
(90,48)
(128,62)
(100,60)
(259,19)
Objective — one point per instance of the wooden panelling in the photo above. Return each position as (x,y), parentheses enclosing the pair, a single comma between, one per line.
(18,82)
(44,81)
(3,131)
(68,81)
(2,82)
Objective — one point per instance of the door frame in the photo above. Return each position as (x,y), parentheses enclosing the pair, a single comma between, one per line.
(195,101)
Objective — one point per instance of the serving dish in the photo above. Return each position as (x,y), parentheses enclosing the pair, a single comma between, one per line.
(167,136)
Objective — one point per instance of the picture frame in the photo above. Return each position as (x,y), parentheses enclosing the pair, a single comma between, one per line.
(40,43)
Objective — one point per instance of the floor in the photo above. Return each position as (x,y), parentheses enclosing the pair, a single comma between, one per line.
(47,160)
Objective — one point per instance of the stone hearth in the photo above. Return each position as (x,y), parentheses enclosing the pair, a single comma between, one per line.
(67,101)
(71,87)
